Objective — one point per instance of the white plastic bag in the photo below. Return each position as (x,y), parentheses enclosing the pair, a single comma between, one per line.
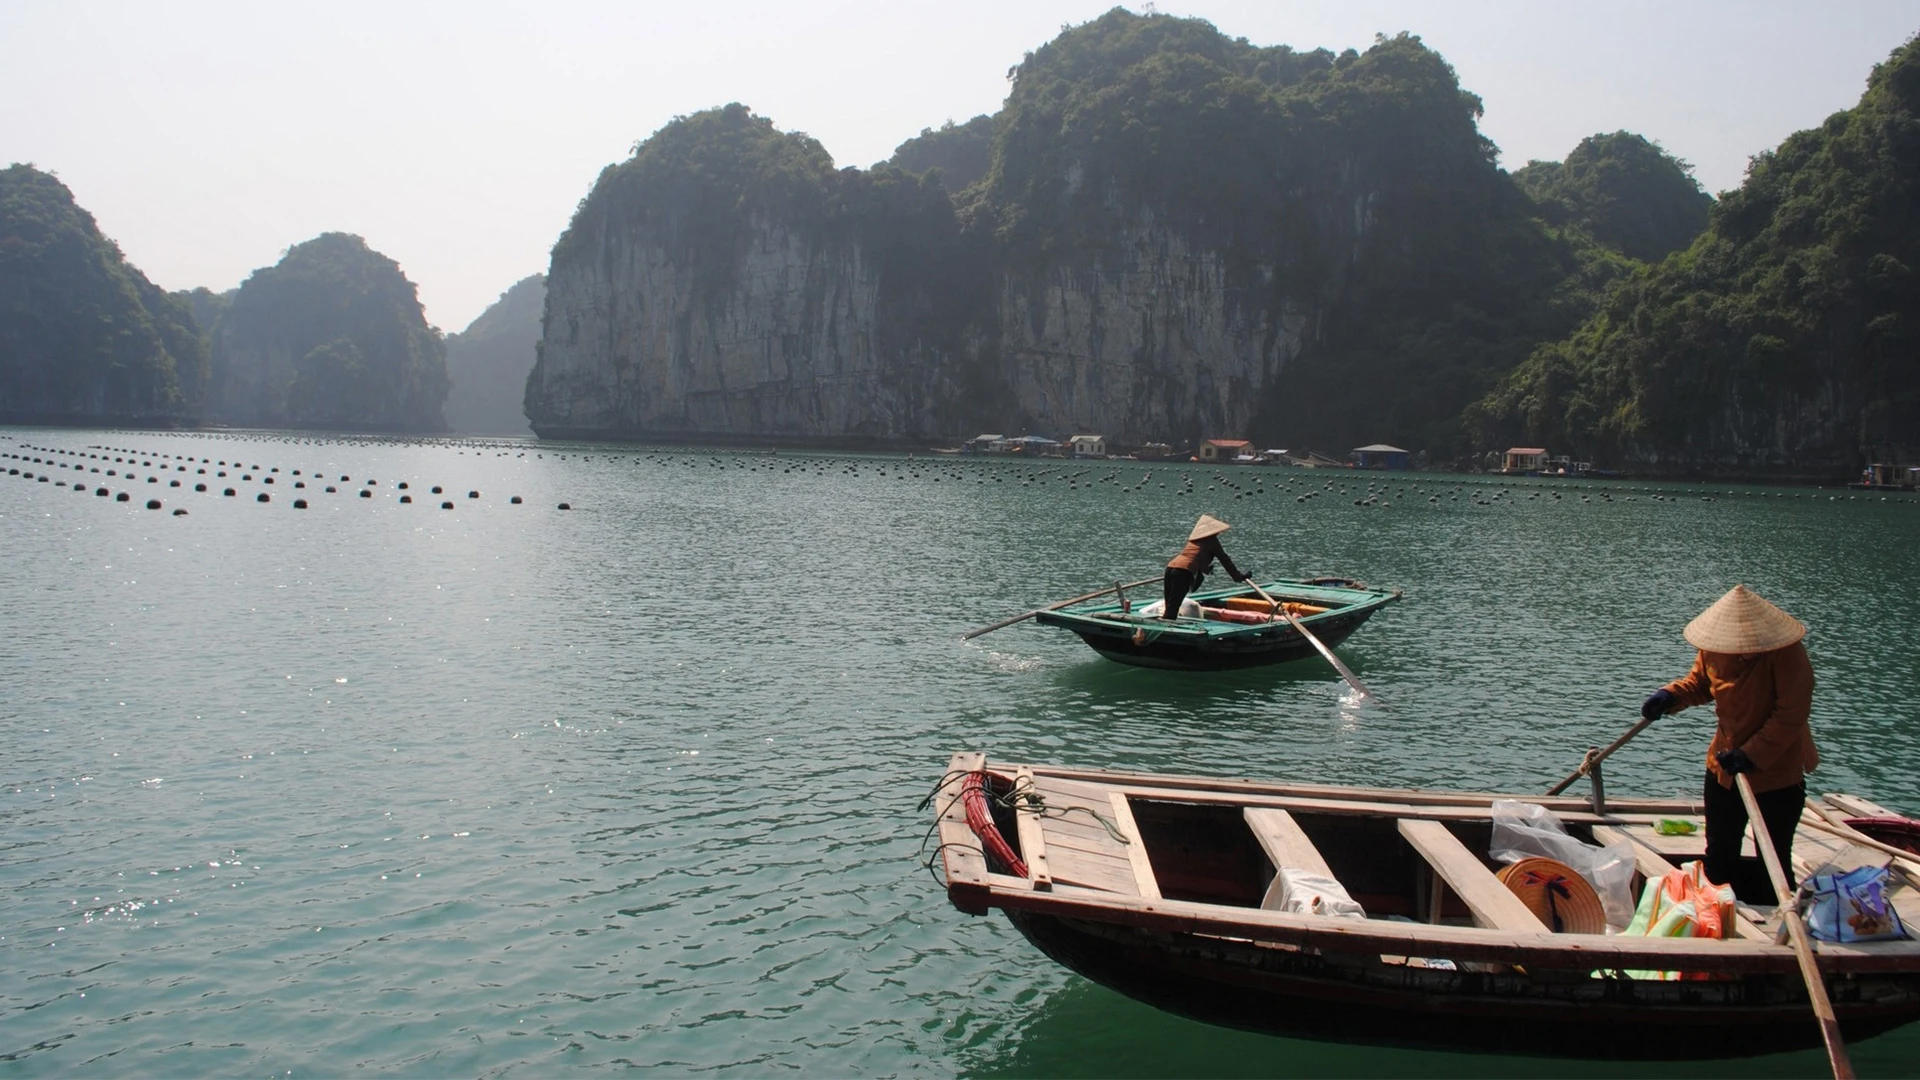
(1189,609)
(1523,829)
(1307,893)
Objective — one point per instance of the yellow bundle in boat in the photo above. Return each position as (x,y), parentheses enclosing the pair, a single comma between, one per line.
(1254,603)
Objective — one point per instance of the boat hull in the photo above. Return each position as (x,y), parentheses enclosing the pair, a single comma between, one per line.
(1301,994)
(1227,654)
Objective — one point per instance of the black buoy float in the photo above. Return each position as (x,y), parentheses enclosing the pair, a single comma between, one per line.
(263,497)
(446,506)
(299,504)
(199,487)
(436,489)
(153,504)
(103,491)
(406,498)
(365,494)
(515,500)
(473,494)
(229,491)
(180,513)
(123,497)
(566,506)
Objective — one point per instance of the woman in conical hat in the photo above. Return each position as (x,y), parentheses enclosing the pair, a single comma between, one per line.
(1186,570)
(1754,669)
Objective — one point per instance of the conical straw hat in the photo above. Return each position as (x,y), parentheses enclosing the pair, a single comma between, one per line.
(1208,525)
(1740,623)
(1557,895)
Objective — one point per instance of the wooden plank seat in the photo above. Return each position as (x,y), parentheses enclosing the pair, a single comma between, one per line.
(1286,844)
(1490,901)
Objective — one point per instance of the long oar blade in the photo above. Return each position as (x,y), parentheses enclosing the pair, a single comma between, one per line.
(1345,672)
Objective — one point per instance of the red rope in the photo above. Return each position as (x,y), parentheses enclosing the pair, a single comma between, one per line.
(973,796)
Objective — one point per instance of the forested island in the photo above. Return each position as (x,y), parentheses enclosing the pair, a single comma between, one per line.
(332,337)
(1168,234)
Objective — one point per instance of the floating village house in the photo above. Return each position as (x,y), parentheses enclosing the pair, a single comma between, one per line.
(1381,456)
(1219,450)
(1089,446)
(984,444)
(1525,459)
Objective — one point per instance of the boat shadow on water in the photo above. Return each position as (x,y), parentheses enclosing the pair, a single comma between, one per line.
(1102,679)
(1084,1029)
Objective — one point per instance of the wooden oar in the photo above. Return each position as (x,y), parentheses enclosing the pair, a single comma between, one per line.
(1598,757)
(1002,624)
(1797,934)
(1345,672)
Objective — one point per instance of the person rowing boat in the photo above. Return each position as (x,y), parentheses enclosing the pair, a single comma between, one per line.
(1188,569)
(1754,669)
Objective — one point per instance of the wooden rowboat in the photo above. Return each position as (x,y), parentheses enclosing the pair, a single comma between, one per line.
(1237,629)
(1153,885)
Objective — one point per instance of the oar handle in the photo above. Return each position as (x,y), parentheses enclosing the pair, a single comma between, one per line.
(1600,756)
(1797,934)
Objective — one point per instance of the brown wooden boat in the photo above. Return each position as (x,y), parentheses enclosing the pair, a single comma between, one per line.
(1153,885)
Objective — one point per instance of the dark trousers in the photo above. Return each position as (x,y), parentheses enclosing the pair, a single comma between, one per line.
(1177,584)
(1727,822)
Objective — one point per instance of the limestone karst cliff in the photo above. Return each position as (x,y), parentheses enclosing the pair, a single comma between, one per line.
(1179,235)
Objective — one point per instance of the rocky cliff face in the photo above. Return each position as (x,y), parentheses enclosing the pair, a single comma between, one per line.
(635,341)
(1146,343)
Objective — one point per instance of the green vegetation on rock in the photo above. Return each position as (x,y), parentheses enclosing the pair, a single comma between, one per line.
(962,152)
(84,336)
(330,337)
(1783,340)
(1630,195)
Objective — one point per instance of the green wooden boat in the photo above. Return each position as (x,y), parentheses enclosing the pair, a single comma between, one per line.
(1236,628)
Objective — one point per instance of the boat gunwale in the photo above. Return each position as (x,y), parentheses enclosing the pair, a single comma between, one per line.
(1108,618)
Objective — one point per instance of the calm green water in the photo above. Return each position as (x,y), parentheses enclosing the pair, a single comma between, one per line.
(509,790)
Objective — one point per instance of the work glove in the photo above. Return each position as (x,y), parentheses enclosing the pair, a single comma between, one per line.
(1244,575)
(1656,703)
(1734,761)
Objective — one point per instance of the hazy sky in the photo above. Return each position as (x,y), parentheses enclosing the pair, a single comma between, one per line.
(457,137)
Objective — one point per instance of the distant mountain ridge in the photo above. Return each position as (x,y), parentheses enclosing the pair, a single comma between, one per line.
(488,363)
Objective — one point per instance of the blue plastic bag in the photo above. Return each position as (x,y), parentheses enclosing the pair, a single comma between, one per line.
(1853,907)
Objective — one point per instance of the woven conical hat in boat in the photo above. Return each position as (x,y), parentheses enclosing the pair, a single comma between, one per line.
(1742,622)
(1557,895)
(1208,525)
